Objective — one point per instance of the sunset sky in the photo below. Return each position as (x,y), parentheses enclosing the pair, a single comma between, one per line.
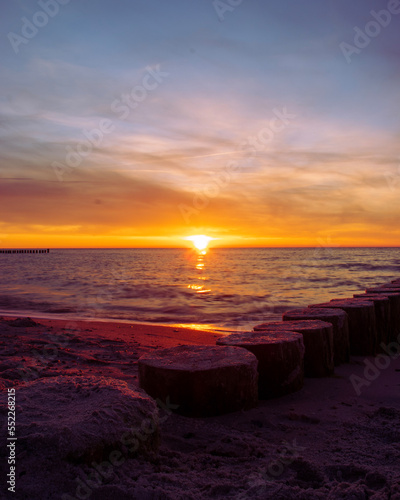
(139,123)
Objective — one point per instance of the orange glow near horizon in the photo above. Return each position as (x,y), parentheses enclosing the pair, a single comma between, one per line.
(340,239)
(143,153)
(289,235)
(200,241)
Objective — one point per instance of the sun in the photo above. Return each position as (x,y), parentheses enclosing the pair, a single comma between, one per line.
(200,241)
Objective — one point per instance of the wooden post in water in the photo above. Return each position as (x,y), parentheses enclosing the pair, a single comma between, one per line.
(20,250)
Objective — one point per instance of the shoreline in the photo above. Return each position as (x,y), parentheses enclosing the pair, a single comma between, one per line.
(161,334)
(61,317)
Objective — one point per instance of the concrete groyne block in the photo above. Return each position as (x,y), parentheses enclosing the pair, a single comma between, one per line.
(201,380)
(382,314)
(339,321)
(280,356)
(362,327)
(318,343)
(394,297)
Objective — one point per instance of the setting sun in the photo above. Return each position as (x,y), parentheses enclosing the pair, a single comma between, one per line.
(200,241)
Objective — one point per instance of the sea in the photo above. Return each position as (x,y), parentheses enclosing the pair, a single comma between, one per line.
(226,289)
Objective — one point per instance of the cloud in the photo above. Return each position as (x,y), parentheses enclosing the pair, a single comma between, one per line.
(334,167)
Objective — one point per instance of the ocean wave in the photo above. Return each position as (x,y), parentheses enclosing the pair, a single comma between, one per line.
(235,287)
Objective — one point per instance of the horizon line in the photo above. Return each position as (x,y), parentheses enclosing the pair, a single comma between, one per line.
(189,248)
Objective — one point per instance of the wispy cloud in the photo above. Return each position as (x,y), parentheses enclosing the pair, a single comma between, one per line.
(333,169)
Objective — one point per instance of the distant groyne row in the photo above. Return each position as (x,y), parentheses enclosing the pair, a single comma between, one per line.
(30,250)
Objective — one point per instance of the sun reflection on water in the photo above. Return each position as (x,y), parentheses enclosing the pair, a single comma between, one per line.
(200,266)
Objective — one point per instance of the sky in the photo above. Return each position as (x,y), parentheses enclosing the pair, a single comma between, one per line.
(258,123)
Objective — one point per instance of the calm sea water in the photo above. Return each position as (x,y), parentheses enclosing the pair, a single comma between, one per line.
(227,288)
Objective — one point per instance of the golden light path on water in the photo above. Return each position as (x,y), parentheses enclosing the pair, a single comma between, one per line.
(206,327)
(200,266)
(200,241)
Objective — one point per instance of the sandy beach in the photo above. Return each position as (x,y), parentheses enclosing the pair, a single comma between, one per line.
(335,438)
